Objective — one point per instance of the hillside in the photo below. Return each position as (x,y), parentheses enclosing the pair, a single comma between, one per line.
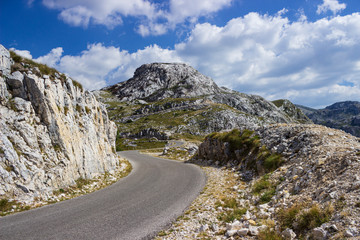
(340,115)
(173,100)
(53,133)
(284,181)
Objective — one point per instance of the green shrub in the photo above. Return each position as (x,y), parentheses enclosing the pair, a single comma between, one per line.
(66,110)
(232,215)
(272,162)
(268,234)
(249,143)
(314,217)
(261,184)
(267,195)
(78,85)
(5,205)
(81,182)
(87,109)
(78,108)
(15,57)
(301,219)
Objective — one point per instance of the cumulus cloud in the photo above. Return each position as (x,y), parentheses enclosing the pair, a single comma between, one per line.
(306,62)
(181,10)
(330,5)
(22,53)
(105,12)
(52,58)
(155,19)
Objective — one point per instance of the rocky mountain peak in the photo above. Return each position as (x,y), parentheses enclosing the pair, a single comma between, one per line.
(156,81)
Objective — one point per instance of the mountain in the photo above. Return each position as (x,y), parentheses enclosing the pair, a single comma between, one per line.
(340,115)
(166,100)
(52,131)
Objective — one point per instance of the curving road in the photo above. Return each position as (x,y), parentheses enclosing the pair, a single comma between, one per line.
(136,207)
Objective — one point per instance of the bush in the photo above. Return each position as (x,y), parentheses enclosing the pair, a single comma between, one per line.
(78,85)
(249,143)
(5,205)
(301,219)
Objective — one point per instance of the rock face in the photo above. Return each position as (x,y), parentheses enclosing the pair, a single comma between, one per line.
(341,115)
(51,132)
(196,105)
(318,173)
(156,81)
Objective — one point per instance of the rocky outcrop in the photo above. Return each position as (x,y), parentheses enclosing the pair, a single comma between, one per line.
(156,81)
(52,132)
(197,105)
(314,190)
(341,115)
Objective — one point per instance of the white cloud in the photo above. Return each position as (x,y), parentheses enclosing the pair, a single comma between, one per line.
(307,62)
(330,5)
(155,19)
(22,53)
(92,65)
(181,10)
(52,58)
(105,12)
(276,58)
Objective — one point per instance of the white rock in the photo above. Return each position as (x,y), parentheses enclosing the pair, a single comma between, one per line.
(253,231)
(348,233)
(243,232)
(230,233)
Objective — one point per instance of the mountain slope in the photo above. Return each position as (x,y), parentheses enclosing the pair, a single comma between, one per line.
(52,132)
(341,115)
(165,100)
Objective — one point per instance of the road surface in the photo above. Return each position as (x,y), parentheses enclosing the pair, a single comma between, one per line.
(136,207)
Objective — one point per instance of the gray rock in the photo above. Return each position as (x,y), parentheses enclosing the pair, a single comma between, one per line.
(204,227)
(319,233)
(288,234)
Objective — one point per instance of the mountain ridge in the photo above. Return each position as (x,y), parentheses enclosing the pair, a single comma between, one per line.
(159,92)
(340,115)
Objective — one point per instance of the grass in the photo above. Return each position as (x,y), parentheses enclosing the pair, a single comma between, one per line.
(78,85)
(66,110)
(301,218)
(5,205)
(81,182)
(268,234)
(265,189)
(230,215)
(249,144)
(87,109)
(28,63)
(123,144)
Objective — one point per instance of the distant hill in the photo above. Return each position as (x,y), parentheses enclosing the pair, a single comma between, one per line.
(174,100)
(340,115)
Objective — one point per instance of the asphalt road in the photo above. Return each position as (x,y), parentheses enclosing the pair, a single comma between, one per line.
(136,207)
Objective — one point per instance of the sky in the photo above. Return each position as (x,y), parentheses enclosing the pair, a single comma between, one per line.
(307,51)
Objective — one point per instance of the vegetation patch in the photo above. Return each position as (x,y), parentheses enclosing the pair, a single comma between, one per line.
(234,211)
(249,144)
(123,144)
(302,218)
(264,188)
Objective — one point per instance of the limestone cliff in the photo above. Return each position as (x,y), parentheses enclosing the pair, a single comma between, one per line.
(52,132)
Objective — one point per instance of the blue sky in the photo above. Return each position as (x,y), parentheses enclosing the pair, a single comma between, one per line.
(307,51)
